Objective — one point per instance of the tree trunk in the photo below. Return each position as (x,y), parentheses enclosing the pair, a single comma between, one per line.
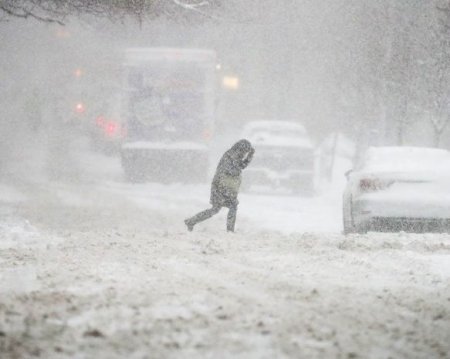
(437,134)
(400,133)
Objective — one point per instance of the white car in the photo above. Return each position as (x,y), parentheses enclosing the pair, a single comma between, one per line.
(284,156)
(398,189)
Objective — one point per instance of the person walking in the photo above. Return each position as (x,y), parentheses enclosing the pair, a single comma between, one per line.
(225,184)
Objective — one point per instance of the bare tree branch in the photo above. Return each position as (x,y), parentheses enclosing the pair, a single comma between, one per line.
(57,11)
(23,13)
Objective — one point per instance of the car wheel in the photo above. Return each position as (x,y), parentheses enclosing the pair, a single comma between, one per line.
(347,219)
(348,226)
(361,229)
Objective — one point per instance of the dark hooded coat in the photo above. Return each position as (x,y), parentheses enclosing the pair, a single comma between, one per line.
(227,180)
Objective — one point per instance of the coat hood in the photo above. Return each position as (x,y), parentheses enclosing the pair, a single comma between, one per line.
(242,146)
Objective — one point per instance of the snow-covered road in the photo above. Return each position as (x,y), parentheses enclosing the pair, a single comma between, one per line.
(106,269)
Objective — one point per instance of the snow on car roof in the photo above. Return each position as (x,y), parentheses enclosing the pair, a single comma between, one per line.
(274,125)
(407,158)
(277,133)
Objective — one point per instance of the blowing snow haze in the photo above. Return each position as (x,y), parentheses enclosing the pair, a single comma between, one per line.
(375,71)
(114,116)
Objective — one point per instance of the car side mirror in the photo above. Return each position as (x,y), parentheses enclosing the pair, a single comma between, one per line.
(348,173)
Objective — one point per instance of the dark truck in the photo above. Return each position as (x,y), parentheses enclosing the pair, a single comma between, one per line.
(168,108)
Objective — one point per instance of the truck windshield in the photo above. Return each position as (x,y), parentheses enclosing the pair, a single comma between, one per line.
(167,101)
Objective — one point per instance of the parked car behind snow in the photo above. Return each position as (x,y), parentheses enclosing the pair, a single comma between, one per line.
(399,188)
(284,156)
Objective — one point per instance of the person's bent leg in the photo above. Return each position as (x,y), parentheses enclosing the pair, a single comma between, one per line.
(231,218)
(201,216)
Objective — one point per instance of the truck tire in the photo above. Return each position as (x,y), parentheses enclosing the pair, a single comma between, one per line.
(131,172)
(132,175)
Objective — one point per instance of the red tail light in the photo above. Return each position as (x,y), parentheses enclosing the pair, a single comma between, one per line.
(114,129)
(111,128)
(373,184)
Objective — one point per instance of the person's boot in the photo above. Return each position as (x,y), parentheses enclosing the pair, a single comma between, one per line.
(230,226)
(189,224)
(231,219)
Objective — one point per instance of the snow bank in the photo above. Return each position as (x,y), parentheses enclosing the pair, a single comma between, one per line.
(121,277)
